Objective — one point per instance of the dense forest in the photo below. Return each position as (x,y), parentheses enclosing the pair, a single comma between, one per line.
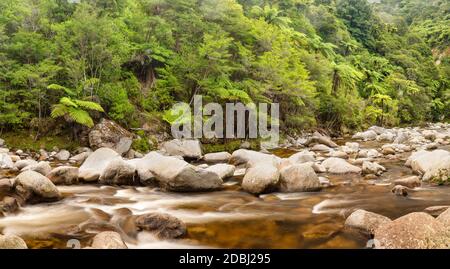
(336,64)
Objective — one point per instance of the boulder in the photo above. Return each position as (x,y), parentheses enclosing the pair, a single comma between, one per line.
(177,175)
(190,149)
(164,225)
(429,134)
(252,158)
(302,157)
(436,210)
(42,168)
(5,161)
(366,136)
(261,179)
(9,204)
(402,137)
(377,129)
(410,182)
(67,175)
(5,186)
(321,148)
(145,176)
(413,231)
(23,163)
(338,154)
(108,240)
(444,218)
(12,242)
(400,190)
(94,165)
(79,158)
(223,170)
(428,161)
(372,168)
(34,187)
(365,221)
(298,178)
(217,157)
(386,137)
(339,166)
(118,172)
(439,171)
(319,138)
(108,134)
(63,155)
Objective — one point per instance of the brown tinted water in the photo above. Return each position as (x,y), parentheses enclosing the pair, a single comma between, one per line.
(229,218)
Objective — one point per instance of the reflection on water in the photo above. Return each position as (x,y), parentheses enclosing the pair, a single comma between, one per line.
(229,219)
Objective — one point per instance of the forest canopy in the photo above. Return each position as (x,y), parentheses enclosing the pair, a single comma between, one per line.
(342,64)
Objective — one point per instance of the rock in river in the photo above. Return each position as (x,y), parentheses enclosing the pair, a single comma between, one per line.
(261,179)
(410,182)
(223,170)
(118,172)
(164,225)
(217,157)
(67,175)
(94,165)
(186,148)
(339,166)
(365,221)
(298,178)
(108,134)
(34,187)
(108,240)
(12,242)
(42,168)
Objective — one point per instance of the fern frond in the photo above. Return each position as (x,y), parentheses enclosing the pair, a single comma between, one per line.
(60,88)
(58,110)
(80,116)
(67,102)
(89,105)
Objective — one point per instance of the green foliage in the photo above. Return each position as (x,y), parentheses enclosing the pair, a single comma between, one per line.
(344,63)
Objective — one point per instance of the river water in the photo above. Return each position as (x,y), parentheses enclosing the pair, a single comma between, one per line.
(229,218)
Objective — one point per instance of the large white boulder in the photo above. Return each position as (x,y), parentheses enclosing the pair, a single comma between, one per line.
(94,165)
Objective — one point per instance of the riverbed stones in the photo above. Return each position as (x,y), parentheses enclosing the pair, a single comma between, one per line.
(5,161)
(372,168)
(108,134)
(261,178)
(66,175)
(187,148)
(223,170)
(410,182)
(163,225)
(413,231)
(401,138)
(365,221)
(63,155)
(217,157)
(431,162)
(339,166)
(177,175)
(34,187)
(79,158)
(299,178)
(321,148)
(96,163)
(12,242)
(41,167)
(436,210)
(108,240)
(118,172)
(9,204)
(444,218)
(302,157)
(439,172)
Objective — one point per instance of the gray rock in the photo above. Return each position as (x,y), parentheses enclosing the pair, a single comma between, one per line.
(372,168)
(321,148)
(118,172)
(302,157)
(108,134)
(321,139)
(366,136)
(400,190)
(164,225)
(9,204)
(81,157)
(63,155)
(23,163)
(365,221)
(67,175)
(252,158)
(299,178)
(5,161)
(339,166)
(402,137)
(413,231)
(223,170)
(108,240)
(12,242)
(94,165)
(185,148)
(42,168)
(436,210)
(261,179)
(410,182)
(217,157)
(34,187)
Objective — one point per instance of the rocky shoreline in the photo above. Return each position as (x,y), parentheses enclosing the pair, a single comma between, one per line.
(180,166)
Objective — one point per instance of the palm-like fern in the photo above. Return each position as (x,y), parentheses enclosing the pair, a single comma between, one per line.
(271,15)
(72,109)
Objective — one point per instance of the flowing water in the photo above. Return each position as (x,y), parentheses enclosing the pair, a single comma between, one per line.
(229,218)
